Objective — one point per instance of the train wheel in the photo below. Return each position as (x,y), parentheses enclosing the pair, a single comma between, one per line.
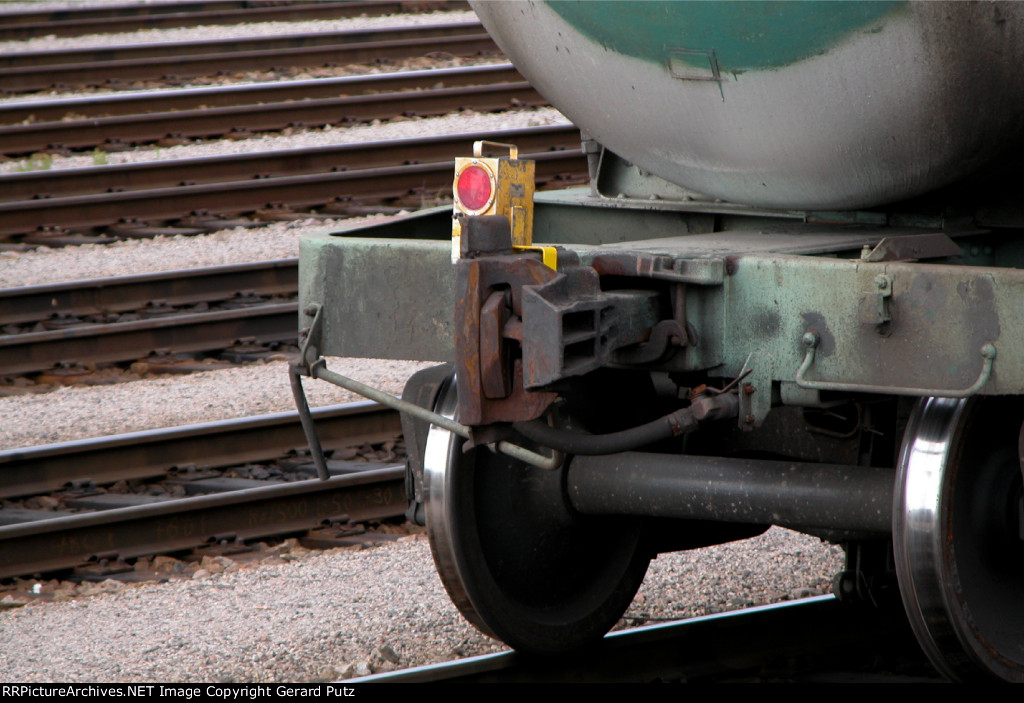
(957,533)
(519,564)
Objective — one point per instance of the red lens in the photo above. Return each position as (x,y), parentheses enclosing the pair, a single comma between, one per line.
(474,187)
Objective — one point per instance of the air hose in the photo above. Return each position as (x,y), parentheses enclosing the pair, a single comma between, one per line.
(572,442)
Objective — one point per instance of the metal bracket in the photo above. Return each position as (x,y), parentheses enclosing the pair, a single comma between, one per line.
(309,353)
(811,340)
(320,371)
(665,336)
(874,305)
(755,390)
(478,148)
(913,247)
(313,365)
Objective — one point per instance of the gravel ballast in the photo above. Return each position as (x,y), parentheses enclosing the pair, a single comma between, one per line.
(258,29)
(238,245)
(343,613)
(80,412)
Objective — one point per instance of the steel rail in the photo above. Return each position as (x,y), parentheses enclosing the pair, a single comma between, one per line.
(65,542)
(152,453)
(286,162)
(122,293)
(89,211)
(127,341)
(113,10)
(187,523)
(815,639)
(127,18)
(202,122)
(31,71)
(37,112)
(183,49)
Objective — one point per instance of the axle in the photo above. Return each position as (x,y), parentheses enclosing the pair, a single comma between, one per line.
(797,495)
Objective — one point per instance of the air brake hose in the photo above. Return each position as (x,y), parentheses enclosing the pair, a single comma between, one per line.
(571,442)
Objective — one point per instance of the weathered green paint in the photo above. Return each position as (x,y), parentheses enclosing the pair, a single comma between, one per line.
(383,298)
(392,297)
(744,35)
(388,289)
(942,316)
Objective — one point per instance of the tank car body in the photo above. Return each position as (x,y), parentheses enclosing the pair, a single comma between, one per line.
(791,295)
(812,105)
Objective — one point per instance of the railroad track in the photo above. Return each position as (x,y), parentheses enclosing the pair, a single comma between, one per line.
(88,523)
(114,66)
(49,185)
(259,325)
(219,186)
(127,18)
(813,640)
(61,327)
(129,318)
(103,296)
(117,121)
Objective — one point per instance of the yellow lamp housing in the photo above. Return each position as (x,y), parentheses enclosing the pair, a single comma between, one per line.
(494,186)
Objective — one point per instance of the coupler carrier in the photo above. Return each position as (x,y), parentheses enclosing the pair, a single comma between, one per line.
(497,194)
(571,328)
